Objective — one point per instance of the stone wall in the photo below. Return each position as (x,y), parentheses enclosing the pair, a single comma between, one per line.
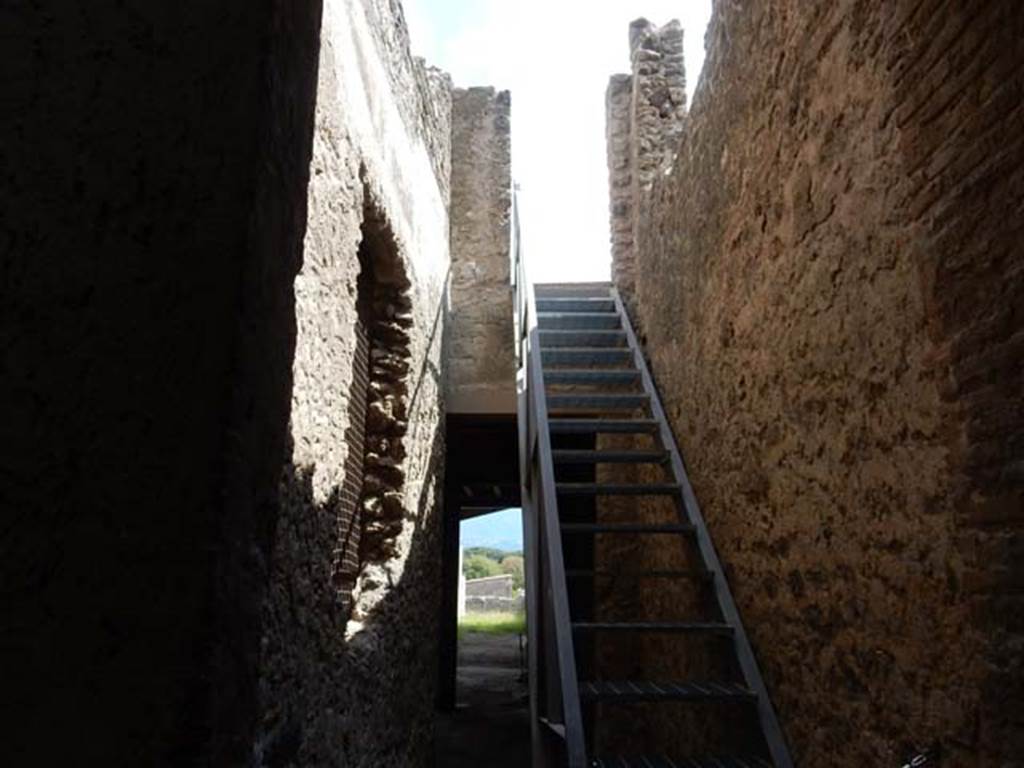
(494,604)
(482,359)
(490,586)
(645,113)
(192,220)
(152,208)
(493,594)
(349,652)
(618,114)
(830,286)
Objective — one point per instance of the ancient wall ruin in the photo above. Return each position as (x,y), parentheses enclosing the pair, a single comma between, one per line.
(645,112)
(481,375)
(349,652)
(829,285)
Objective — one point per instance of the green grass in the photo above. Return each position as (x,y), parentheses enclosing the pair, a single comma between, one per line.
(493,623)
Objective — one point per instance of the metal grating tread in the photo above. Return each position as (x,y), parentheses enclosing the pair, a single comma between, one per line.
(609,401)
(595,528)
(590,321)
(572,290)
(591,376)
(661,761)
(576,304)
(709,627)
(594,380)
(550,339)
(565,456)
(699,575)
(649,690)
(586,355)
(618,489)
(622,426)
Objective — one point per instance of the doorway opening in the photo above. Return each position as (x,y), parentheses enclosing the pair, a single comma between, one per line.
(483,692)
(491,666)
(492,574)
(491,689)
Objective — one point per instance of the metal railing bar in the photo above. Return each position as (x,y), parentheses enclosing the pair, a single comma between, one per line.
(554,693)
(571,708)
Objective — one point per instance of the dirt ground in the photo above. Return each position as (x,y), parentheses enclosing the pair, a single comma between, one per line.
(490,727)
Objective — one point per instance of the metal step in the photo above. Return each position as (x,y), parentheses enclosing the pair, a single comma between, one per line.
(572,290)
(654,528)
(590,359)
(598,401)
(567,321)
(618,489)
(709,627)
(586,356)
(565,456)
(580,304)
(602,426)
(647,690)
(699,575)
(591,376)
(656,761)
(555,339)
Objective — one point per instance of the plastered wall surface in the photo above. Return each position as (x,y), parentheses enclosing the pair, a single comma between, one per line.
(829,286)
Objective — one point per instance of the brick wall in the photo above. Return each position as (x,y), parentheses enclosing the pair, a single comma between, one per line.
(829,285)
(350,519)
(957,95)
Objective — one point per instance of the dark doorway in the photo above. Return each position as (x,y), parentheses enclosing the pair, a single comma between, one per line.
(481,475)
(489,711)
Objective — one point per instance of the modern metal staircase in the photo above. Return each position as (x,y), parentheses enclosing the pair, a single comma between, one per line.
(582,382)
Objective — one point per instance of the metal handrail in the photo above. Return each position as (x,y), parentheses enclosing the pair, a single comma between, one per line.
(545,564)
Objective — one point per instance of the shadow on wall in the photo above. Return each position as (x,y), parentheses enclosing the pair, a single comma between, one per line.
(154,196)
(349,655)
(321,685)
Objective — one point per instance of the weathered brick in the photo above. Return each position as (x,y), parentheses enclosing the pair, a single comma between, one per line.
(836,254)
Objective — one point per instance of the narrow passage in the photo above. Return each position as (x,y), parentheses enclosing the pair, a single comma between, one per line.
(491,723)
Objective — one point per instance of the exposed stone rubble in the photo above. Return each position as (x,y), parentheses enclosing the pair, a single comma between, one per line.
(658,104)
(645,114)
(386,425)
(481,356)
(618,109)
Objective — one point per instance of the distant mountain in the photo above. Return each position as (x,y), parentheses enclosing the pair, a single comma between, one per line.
(500,530)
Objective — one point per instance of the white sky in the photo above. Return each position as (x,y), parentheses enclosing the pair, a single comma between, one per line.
(556,57)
